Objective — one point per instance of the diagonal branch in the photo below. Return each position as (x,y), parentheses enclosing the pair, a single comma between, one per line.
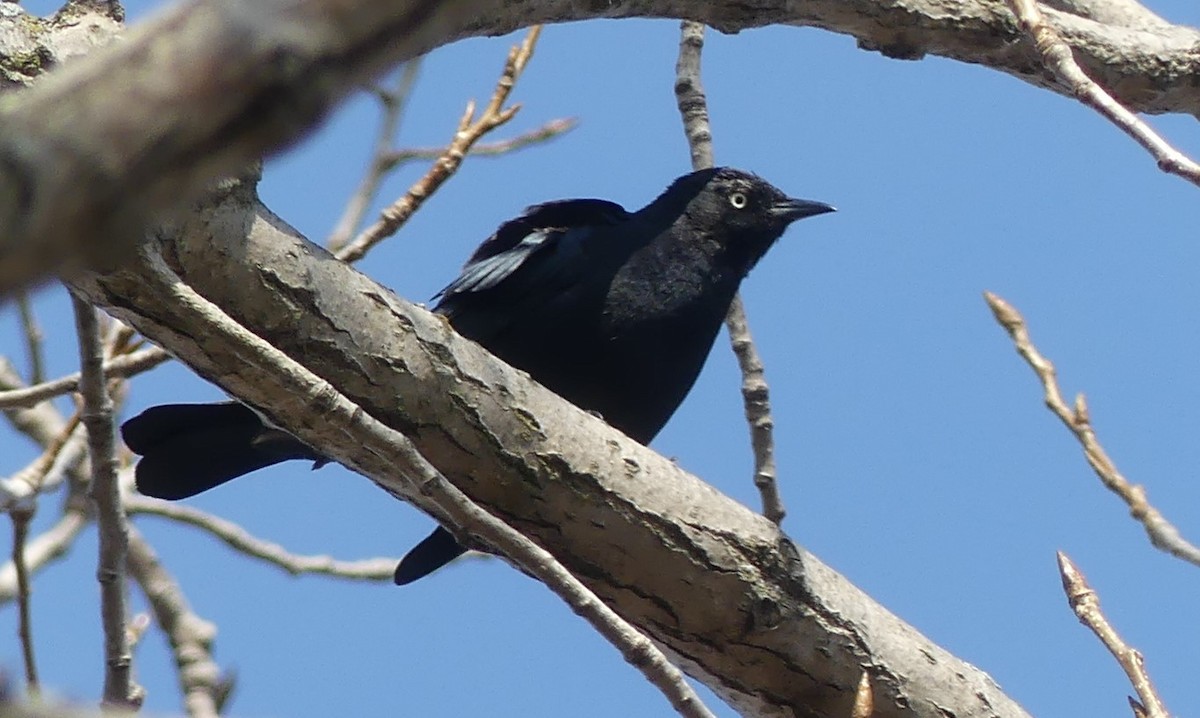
(394,101)
(1078,421)
(1058,57)
(718,585)
(1086,605)
(470,130)
(200,680)
(420,482)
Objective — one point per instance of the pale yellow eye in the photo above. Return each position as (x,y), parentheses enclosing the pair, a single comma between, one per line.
(738,200)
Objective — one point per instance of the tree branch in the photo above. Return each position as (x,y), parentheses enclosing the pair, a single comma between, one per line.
(20,521)
(187,98)
(217,83)
(119,689)
(1057,55)
(410,476)
(237,538)
(735,602)
(191,637)
(1086,605)
(469,131)
(394,101)
(756,399)
(123,366)
(1163,535)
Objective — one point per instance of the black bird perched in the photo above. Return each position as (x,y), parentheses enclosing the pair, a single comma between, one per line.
(614,311)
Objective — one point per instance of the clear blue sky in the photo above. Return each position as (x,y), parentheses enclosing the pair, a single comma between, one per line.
(915,455)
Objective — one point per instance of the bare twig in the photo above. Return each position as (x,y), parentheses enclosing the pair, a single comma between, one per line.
(42,549)
(119,688)
(33,339)
(20,522)
(756,400)
(864,699)
(1086,605)
(191,637)
(548,131)
(470,130)
(21,487)
(394,101)
(421,479)
(123,366)
(689,94)
(1078,420)
(1059,58)
(237,538)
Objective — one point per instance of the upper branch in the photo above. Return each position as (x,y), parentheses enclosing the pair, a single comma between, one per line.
(87,154)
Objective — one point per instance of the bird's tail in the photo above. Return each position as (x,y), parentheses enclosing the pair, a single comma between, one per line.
(190,448)
(436,550)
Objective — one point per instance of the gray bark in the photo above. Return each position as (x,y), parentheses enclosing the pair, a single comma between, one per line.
(87,155)
(759,620)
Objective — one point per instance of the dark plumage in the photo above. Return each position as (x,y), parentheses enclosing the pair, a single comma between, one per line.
(614,311)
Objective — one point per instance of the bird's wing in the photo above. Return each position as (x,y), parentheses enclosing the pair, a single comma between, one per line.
(560,214)
(539,243)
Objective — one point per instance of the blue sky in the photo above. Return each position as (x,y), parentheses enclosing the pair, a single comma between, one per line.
(915,455)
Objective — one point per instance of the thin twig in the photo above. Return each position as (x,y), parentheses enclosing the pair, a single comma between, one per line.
(1059,58)
(39,551)
(21,487)
(203,686)
(864,699)
(469,131)
(119,688)
(20,522)
(1078,420)
(33,339)
(689,94)
(1086,605)
(237,538)
(756,399)
(421,479)
(123,366)
(394,102)
(548,131)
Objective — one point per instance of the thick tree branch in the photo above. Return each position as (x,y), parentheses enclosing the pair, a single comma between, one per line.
(211,86)
(407,474)
(740,607)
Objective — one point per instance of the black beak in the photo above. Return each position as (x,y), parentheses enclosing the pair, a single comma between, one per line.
(789,210)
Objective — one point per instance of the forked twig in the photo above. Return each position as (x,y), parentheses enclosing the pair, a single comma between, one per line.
(470,130)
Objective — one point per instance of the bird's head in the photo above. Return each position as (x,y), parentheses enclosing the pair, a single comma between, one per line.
(738,212)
